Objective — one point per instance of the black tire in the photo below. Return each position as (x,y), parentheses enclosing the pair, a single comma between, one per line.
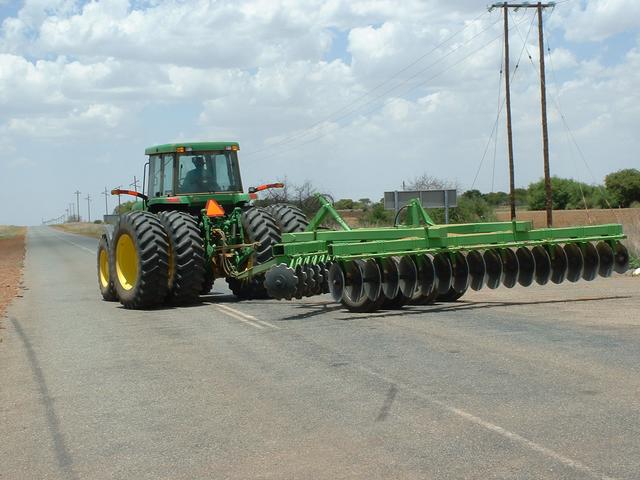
(105,278)
(290,219)
(451,296)
(141,260)
(259,227)
(186,257)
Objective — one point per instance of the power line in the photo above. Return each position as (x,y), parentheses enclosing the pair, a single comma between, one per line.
(312,127)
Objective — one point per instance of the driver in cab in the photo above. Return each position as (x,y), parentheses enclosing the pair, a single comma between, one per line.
(198,179)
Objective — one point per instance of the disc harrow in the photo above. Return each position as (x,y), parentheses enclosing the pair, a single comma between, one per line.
(420,262)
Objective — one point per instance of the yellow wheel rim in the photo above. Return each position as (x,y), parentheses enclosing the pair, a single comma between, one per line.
(104,268)
(126,262)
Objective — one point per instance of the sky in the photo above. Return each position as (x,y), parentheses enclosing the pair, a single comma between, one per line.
(355,96)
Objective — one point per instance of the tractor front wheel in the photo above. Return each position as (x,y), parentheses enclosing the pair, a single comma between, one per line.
(260,228)
(105,280)
(141,260)
(290,219)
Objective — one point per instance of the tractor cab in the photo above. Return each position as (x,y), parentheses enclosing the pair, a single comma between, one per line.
(187,175)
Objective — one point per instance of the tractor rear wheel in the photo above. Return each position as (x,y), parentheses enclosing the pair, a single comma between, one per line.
(141,260)
(105,278)
(186,257)
(261,228)
(290,219)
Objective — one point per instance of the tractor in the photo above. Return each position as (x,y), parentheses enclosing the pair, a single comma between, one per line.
(195,224)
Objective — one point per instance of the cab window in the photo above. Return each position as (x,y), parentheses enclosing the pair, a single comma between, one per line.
(155,176)
(208,172)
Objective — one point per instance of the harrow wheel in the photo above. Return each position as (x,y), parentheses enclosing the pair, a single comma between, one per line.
(186,257)
(260,228)
(141,260)
(105,280)
(290,219)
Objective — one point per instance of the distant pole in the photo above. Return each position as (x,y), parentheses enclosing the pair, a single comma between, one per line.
(88,199)
(66,210)
(545,134)
(135,183)
(106,196)
(119,187)
(77,192)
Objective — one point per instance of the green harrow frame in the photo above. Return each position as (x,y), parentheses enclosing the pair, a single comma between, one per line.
(421,262)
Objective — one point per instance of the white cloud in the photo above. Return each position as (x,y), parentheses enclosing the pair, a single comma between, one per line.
(600,19)
(114,77)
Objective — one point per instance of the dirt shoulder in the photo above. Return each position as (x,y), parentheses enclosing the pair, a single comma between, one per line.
(11,260)
(92,230)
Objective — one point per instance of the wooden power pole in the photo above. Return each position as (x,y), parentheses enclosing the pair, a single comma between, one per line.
(543,99)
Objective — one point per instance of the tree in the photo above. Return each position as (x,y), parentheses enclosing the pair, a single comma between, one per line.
(566,194)
(429,182)
(624,186)
(124,207)
(344,204)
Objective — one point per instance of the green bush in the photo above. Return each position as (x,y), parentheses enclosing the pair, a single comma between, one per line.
(624,186)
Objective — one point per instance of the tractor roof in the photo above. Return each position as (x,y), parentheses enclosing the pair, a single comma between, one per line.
(190,147)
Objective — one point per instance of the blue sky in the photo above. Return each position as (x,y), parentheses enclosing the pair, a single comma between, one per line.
(354,96)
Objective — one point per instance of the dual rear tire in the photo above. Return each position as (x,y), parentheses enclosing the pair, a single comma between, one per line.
(152,260)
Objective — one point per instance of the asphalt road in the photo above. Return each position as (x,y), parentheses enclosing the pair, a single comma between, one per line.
(521,384)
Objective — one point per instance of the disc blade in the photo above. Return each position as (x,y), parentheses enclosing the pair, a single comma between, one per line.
(459,272)
(390,280)
(494,268)
(620,258)
(408,276)
(559,263)
(510,267)
(353,281)
(336,281)
(591,261)
(543,264)
(444,272)
(477,269)
(372,279)
(606,259)
(527,265)
(575,262)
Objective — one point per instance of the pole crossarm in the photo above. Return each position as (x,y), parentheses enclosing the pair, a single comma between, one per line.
(521,5)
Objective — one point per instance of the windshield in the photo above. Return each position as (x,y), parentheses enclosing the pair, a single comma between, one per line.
(208,172)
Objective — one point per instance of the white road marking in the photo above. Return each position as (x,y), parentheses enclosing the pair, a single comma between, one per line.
(514,437)
(238,317)
(246,316)
(72,243)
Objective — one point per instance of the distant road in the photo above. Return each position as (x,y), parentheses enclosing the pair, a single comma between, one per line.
(538,383)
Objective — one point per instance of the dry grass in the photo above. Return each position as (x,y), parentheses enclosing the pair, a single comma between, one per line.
(87,229)
(10,231)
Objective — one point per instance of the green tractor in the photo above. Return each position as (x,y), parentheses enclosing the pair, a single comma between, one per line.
(195,224)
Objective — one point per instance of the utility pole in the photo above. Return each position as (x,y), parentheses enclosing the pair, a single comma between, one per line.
(88,199)
(106,196)
(545,133)
(135,183)
(77,193)
(543,99)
